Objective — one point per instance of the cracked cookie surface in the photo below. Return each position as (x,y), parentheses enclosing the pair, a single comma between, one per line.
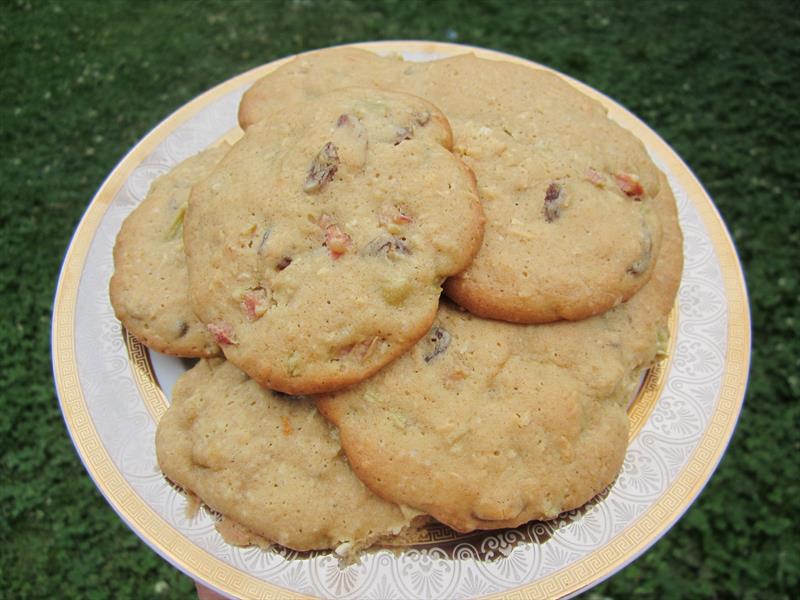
(317,248)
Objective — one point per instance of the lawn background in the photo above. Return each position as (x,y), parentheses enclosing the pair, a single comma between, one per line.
(82,82)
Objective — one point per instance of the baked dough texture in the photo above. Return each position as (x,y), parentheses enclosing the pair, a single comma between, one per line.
(150,286)
(567,192)
(317,248)
(270,464)
(487,424)
(314,252)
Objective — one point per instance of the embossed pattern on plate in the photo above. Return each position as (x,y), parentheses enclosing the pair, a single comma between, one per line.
(679,441)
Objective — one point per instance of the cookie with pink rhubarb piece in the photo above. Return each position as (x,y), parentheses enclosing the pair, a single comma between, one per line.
(485,424)
(318,247)
(568,193)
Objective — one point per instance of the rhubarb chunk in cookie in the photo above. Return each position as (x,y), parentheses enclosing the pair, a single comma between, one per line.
(150,286)
(318,247)
(270,464)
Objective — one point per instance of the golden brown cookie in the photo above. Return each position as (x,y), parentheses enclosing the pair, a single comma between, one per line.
(317,248)
(486,424)
(150,289)
(570,231)
(271,465)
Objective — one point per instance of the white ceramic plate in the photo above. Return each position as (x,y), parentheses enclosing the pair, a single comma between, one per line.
(113,391)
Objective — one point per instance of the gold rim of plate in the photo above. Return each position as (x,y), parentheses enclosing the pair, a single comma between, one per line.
(595,567)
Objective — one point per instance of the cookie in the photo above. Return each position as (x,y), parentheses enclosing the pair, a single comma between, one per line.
(313,74)
(317,248)
(485,424)
(150,289)
(270,464)
(567,192)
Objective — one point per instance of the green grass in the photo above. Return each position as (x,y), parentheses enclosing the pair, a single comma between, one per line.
(83,81)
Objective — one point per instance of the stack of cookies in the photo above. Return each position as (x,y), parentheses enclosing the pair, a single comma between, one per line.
(340,399)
